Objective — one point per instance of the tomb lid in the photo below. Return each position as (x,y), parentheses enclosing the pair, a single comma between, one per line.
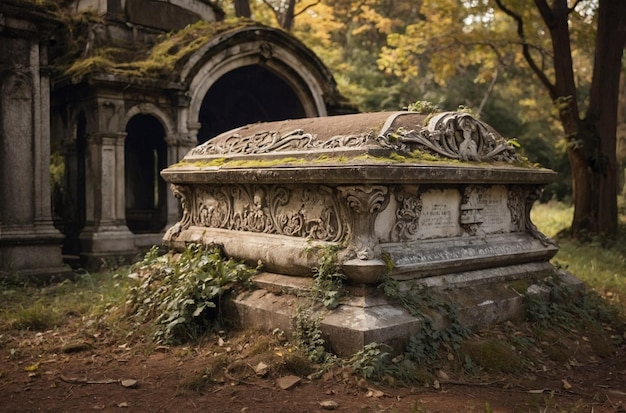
(400,147)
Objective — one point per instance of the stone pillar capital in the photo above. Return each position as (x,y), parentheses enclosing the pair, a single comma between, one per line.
(106,138)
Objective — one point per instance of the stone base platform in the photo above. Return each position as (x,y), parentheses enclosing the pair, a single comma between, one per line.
(366,315)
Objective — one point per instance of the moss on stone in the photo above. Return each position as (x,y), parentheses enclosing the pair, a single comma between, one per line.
(158,61)
(493,356)
(415,157)
(521,286)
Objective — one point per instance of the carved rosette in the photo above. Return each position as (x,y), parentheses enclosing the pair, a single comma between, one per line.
(364,202)
(310,212)
(407,217)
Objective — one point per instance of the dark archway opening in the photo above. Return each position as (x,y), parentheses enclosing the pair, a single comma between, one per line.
(246,95)
(145,155)
(69,191)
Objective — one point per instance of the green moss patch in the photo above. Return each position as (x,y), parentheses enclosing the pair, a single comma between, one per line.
(164,57)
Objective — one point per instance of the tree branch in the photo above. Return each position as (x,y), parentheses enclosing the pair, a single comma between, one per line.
(571,9)
(307,7)
(487,93)
(277,14)
(525,46)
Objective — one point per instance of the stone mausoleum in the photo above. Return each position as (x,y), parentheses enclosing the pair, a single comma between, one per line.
(113,91)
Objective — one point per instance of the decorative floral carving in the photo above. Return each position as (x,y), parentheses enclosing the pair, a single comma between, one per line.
(272,141)
(365,201)
(407,217)
(273,209)
(454,135)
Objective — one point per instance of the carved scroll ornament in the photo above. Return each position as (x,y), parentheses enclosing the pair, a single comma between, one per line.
(453,135)
(272,141)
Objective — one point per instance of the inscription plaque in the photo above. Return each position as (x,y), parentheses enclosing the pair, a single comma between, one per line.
(440,214)
(496,214)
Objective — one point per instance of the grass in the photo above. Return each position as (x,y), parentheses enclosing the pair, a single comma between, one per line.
(100,297)
(601,264)
(93,297)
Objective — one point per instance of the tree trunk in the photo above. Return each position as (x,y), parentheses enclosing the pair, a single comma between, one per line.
(286,21)
(242,8)
(596,179)
(592,142)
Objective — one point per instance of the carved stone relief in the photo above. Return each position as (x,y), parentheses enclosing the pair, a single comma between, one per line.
(533,195)
(436,213)
(307,212)
(407,216)
(183,194)
(268,141)
(365,202)
(452,135)
(516,205)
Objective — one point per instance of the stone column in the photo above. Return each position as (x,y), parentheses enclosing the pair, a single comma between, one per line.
(105,235)
(29,244)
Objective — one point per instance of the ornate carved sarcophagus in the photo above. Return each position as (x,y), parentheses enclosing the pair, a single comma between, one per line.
(406,194)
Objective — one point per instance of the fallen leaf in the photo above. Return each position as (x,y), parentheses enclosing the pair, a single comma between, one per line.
(32,367)
(122,404)
(329,404)
(436,385)
(128,383)
(287,382)
(261,369)
(220,342)
(566,384)
(374,393)
(443,376)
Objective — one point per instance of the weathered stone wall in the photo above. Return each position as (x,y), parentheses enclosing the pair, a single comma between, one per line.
(29,244)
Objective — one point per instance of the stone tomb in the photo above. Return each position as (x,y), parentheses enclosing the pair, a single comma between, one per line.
(441,201)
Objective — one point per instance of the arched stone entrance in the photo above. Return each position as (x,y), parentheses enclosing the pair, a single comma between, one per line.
(246,95)
(145,155)
(135,124)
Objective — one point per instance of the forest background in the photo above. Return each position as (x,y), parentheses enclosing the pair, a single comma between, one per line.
(526,68)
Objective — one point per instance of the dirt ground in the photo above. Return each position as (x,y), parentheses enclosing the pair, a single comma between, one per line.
(71,371)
